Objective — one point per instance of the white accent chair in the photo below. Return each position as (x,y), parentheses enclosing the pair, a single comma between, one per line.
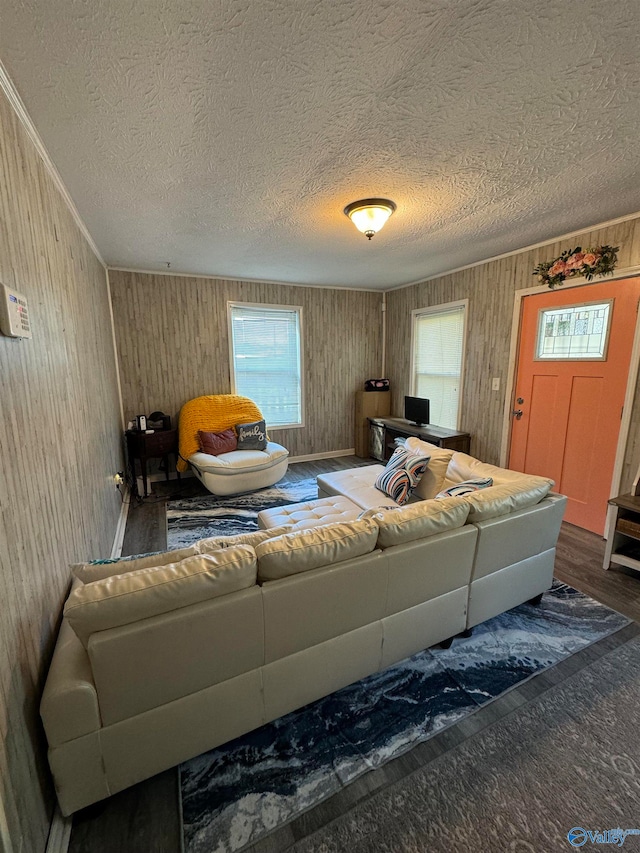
(238,470)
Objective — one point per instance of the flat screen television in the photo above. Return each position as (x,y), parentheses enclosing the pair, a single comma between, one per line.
(416,410)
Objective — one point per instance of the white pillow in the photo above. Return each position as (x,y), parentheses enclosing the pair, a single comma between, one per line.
(433,478)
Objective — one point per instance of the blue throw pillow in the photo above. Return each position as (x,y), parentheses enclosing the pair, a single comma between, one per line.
(402,474)
(465,488)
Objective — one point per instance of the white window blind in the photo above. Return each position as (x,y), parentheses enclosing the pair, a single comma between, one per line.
(438,345)
(266,360)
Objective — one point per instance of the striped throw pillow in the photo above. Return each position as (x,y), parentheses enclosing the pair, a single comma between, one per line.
(402,474)
(465,488)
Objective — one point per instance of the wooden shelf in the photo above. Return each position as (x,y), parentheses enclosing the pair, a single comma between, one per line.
(623,560)
(623,533)
(628,527)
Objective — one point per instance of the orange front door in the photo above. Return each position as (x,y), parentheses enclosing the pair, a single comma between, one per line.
(571,407)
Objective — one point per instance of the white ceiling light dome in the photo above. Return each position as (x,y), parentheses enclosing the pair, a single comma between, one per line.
(370,214)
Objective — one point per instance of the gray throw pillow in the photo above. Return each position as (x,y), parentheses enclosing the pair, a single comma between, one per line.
(252,436)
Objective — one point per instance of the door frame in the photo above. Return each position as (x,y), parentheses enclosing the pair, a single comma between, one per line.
(634,367)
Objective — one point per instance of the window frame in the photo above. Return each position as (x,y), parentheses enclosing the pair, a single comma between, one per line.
(441,308)
(268,306)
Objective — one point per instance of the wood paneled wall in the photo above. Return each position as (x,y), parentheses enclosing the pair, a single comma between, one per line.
(173,344)
(60,441)
(490,288)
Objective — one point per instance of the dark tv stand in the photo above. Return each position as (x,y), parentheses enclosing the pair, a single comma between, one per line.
(384,431)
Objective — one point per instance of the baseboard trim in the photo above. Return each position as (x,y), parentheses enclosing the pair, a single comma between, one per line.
(118,539)
(350,451)
(59,833)
(6,845)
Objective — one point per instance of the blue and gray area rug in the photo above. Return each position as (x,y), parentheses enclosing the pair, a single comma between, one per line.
(234,795)
(190,519)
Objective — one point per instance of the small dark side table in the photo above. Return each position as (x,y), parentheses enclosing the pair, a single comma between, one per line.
(155,445)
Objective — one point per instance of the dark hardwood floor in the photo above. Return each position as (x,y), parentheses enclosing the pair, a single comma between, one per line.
(146,816)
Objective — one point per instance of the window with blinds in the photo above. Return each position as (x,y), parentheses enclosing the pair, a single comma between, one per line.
(266,360)
(437,358)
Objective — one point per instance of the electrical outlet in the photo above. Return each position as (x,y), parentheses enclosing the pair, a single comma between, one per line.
(118,479)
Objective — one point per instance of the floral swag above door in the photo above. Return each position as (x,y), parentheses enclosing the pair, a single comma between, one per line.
(574,263)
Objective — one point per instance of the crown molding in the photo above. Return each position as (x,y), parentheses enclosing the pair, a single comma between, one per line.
(246,280)
(608,224)
(7,86)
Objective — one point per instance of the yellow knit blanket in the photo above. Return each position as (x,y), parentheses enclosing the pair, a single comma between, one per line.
(211,413)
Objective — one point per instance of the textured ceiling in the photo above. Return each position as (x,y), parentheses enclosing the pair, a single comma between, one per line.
(226,137)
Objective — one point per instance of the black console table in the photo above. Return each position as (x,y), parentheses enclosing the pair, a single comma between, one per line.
(384,431)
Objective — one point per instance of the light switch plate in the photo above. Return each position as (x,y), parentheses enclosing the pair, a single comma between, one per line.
(14,313)
(495,383)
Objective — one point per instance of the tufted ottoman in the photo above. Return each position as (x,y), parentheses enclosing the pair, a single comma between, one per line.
(357,484)
(310,514)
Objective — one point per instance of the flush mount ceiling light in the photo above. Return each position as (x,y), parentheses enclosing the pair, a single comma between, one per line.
(370,214)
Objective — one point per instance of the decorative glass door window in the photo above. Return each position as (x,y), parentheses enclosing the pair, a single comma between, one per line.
(574,332)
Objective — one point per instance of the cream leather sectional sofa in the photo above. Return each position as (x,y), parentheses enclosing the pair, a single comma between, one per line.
(162,658)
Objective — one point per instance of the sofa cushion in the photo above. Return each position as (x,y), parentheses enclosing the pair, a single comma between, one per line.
(402,474)
(256,537)
(127,598)
(418,520)
(433,478)
(465,488)
(97,570)
(509,497)
(304,550)
(215,443)
(240,460)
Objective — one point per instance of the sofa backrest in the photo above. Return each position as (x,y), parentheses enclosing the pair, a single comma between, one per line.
(304,550)
(511,490)
(98,570)
(154,661)
(136,595)
(463,467)
(304,610)
(418,520)
(253,539)
(506,541)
